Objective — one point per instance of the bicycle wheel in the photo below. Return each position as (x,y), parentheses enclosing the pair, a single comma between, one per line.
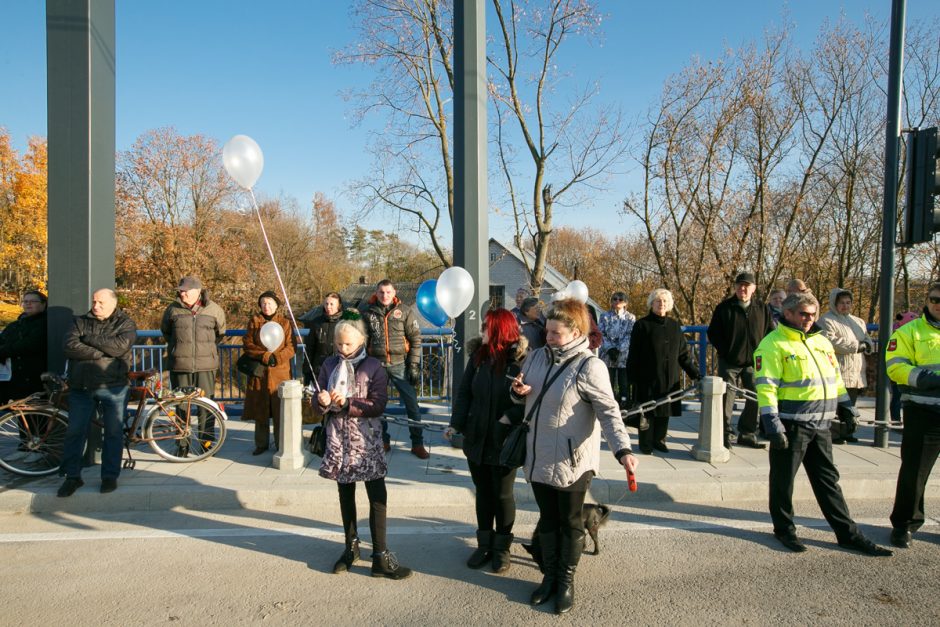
(31,442)
(180,430)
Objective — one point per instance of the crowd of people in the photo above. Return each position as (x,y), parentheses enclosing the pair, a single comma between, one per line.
(556,374)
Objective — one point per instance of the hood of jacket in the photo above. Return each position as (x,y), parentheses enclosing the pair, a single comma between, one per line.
(519,348)
(834,294)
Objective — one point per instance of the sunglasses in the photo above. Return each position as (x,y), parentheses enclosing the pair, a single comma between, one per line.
(934,300)
(616,300)
(806,314)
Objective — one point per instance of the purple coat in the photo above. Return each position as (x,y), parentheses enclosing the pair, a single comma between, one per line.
(354,435)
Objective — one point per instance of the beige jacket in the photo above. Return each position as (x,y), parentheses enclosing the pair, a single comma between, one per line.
(846,334)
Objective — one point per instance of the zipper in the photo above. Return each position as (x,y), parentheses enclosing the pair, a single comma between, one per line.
(571,453)
(819,370)
(535,417)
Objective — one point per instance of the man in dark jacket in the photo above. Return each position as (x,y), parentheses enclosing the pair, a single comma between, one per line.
(193,326)
(738,325)
(395,340)
(98,347)
(23,342)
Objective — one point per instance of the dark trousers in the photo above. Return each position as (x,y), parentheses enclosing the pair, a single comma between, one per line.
(83,404)
(204,380)
(659,429)
(836,427)
(812,449)
(742,377)
(409,397)
(273,414)
(920,446)
(895,406)
(495,503)
(378,500)
(620,385)
(559,510)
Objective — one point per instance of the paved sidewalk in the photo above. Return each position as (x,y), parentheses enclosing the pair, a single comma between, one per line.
(236,479)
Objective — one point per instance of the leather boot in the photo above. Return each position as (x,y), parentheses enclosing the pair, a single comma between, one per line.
(545,591)
(501,544)
(349,556)
(572,545)
(385,564)
(482,554)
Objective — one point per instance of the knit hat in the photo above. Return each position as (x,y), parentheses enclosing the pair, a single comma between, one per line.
(271,295)
(189,283)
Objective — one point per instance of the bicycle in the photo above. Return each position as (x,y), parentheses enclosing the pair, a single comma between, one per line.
(180,426)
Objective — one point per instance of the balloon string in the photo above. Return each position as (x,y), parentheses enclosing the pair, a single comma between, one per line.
(455,342)
(280,282)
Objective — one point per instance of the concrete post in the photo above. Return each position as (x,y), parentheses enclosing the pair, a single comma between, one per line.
(711,425)
(291,455)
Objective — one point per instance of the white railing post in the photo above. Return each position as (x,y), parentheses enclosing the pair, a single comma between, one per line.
(711,425)
(291,455)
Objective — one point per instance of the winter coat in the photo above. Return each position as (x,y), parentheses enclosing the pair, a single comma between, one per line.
(320,342)
(24,343)
(616,329)
(658,349)
(482,399)
(99,351)
(533,331)
(354,449)
(846,334)
(564,438)
(193,335)
(259,390)
(735,333)
(394,334)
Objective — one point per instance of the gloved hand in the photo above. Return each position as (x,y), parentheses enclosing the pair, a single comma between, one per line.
(779,441)
(613,354)
(272,361)
(849,417)
(414,374)
(927,380)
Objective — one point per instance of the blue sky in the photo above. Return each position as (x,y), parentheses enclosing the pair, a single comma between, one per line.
(223,67)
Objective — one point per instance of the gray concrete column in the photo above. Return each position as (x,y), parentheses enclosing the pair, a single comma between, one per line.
(80,95)
(291,454)
(711,425)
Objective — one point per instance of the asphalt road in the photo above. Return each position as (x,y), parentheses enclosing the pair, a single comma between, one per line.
(671,565)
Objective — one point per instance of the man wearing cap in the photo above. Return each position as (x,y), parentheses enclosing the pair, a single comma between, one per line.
(193,326)
(737,326)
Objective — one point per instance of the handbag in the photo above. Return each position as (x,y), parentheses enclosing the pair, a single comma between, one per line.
(512,454)
(248,366)
(317,442)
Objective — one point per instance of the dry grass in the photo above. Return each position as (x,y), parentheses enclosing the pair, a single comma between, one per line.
(8,313)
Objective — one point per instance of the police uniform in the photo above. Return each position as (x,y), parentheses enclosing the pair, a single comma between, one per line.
(799,391)
(913,360)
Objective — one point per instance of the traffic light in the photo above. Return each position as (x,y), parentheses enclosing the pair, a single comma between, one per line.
(921,220)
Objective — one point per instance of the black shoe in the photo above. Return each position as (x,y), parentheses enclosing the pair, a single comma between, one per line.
(69,486)
(348,558)
(545,591)
(851,439)
(791,542)
(259,450)
(108,485)
(730,440)
(501,552)
(901,538)
(385,565)
(838,440)
(750,441)
(866,546)
(661,447)
(484,551)
(646,450)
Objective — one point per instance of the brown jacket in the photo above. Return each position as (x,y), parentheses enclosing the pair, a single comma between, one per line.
(260,390)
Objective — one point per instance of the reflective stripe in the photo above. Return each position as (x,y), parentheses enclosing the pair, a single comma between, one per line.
(806,383)
(768,381)
(929,366)
(912,377)
(844,397)
(793,408)
(803,417)
(921,400)
(767,411)
(898,360)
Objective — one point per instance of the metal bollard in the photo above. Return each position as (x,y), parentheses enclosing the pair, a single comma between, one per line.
(291,454)
(711,425)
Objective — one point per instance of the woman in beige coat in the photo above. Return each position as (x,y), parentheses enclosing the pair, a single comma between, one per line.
(849,337)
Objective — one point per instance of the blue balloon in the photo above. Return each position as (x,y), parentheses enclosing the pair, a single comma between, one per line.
(426,301)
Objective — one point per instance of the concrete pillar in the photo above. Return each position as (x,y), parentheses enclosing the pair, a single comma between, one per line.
(711,425)
(291,454)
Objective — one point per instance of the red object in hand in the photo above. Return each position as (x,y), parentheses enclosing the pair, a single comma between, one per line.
(631,482)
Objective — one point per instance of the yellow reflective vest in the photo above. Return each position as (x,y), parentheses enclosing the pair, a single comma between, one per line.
(913,348)
(797,379)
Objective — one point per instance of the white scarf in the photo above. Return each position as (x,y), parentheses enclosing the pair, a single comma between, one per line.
(342,379)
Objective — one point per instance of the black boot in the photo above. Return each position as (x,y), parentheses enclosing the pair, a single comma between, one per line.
(385,565)
(545,591)
(482,554)
(501,544)
(571,548)
(349,556)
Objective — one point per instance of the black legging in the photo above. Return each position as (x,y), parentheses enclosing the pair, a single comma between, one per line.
(378,499)
(495,503)
(559,510)
(619,383)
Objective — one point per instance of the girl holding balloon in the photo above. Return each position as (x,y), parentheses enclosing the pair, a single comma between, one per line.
(268,339)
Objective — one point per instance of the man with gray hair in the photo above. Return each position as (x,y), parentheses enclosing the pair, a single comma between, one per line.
(98,347)
(799,391)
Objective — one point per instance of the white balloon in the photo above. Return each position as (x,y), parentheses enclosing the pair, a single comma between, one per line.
(454,290)
(243,160)
(578,290)
(561,295)
(272,335)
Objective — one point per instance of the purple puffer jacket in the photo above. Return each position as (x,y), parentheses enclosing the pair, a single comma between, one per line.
(354,435)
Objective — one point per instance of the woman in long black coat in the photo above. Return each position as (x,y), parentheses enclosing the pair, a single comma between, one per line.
(23,342)
(484,412)
(658,349)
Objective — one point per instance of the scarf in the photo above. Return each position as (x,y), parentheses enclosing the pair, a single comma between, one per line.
(562,353)
(343,377)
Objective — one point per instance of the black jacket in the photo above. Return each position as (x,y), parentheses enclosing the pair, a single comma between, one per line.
(481,400)
(24,343)
(99,351)
(735,333)
(320,343)
(658,349)
(394,334)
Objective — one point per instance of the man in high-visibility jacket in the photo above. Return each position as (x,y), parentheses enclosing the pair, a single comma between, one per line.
(799,390)
(913,361)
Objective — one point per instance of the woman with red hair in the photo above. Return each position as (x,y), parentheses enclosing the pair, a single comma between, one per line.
(484,413)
